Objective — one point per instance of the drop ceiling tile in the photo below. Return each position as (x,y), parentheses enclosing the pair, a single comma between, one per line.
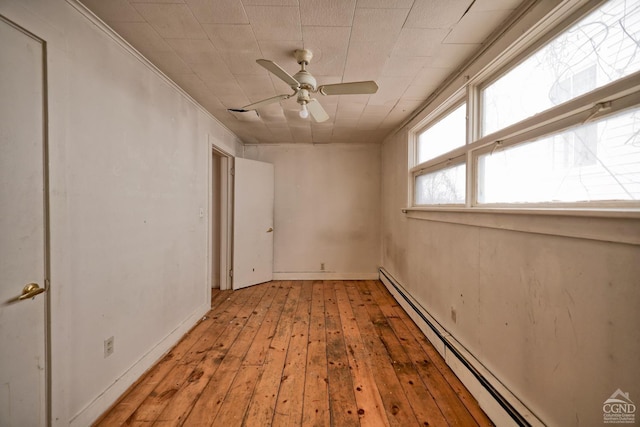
(213,72)
(142,36)
(366,60)
(301,134)
(482,5)
(232,38)
(250,116)
(174,21)
(401,111)
(156,1)
(218,12)
(473,27)
(369,136)
(270,2)
(425,83)
(256,88)
(195,51)
(335,13)
(349,110)
(237,46)
(329,46)
(226,87)
(385,4)
(281,134)
(114,10)
(212,104)
(406,107)
(436,13)
(453,55)
(275,22)
(344,135)
(244,64)
(169,62)
(362,99)
(404,66)
(191,83)
(321,136)
(281,52)
(418,41)
(373,115)
(329,106)
(371,25)
(233,98)
(391,88)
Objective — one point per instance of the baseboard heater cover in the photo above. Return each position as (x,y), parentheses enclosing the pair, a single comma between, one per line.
(520,416)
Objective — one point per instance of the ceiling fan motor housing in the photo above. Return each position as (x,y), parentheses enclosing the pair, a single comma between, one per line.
(306,80)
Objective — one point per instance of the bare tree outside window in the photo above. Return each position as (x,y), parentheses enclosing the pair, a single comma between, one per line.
(593,161)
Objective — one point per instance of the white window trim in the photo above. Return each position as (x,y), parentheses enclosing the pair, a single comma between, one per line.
(615,97)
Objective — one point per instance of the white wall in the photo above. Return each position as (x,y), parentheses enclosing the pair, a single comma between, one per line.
(554,316)
(128,173)
(327,209)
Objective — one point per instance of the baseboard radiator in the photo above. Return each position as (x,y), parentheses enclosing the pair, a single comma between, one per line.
(502,406)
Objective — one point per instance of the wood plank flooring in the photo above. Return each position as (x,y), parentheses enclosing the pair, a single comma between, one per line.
(300,353)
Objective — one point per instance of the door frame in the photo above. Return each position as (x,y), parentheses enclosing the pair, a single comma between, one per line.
(225,215)
(48,411)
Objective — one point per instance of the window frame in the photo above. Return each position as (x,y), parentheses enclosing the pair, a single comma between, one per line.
(442,161)
(608,100)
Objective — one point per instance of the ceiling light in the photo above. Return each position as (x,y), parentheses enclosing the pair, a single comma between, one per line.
(304,113)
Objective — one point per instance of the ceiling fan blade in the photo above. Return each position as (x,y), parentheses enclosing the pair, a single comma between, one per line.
(316,111)
(278,72)
(259,104)
(352,88)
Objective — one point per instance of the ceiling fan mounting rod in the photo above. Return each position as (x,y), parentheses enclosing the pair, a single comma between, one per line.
(303,56)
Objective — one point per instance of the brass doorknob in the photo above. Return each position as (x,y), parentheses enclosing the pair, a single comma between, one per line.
(30,291)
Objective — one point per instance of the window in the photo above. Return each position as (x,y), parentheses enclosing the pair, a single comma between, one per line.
(443,136)
(445,186)
(599,49)
(559,127)
(544,171)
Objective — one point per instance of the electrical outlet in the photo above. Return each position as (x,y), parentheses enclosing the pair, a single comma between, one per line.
(322,266)
(108,347)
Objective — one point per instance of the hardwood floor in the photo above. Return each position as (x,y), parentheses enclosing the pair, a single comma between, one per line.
(300,353)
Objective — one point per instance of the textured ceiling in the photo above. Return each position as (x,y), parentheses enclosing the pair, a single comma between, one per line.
(209,48)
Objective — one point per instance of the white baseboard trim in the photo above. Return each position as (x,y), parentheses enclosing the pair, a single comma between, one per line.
(101,403)
(498,402)
(329,275)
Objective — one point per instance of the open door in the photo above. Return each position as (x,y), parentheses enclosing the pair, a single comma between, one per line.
(253,223)
(23,230)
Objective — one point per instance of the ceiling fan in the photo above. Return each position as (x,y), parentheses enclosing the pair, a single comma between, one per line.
(303,84)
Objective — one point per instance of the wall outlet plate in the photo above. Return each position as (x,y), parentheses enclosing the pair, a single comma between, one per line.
(108,347)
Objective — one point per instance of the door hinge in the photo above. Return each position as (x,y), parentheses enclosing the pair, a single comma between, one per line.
(230,273)
(233,171)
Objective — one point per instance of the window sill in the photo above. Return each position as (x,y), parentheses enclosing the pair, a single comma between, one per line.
(608,225)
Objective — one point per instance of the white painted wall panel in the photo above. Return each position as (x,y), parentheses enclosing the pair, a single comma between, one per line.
(128,175)
(327,209)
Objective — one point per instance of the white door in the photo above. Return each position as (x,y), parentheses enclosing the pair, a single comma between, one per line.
(22,230)
(252,223)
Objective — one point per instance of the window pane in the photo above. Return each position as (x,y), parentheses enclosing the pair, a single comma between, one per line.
(446,186)
(444,136)
(597,161)
(599,49)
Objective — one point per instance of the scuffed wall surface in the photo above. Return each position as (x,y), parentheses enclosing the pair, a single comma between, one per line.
(554,318)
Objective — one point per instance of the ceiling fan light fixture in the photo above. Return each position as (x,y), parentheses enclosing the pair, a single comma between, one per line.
(303,84)
(304,113)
